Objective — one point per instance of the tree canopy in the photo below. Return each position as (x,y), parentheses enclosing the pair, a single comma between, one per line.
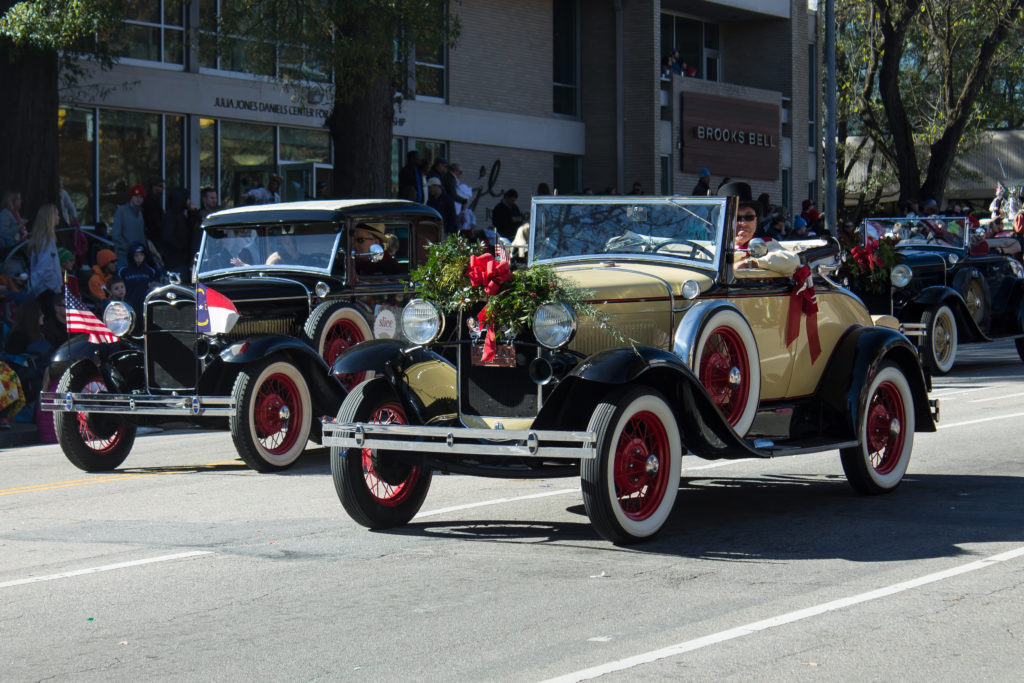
(912,80)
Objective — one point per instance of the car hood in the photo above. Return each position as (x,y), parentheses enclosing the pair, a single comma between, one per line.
(632,281)
(242,290)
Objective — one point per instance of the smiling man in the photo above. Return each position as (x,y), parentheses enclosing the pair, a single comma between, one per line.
(778,259)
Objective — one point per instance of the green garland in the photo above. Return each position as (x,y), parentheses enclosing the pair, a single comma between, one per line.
(444,281)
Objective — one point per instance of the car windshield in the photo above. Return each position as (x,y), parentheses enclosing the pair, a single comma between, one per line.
(269,247)
(661,228)
(937,231)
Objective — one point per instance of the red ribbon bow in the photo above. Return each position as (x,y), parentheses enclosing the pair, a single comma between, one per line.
(802,300)
(485,271)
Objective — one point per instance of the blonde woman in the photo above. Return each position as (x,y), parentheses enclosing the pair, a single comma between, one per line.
(44,263)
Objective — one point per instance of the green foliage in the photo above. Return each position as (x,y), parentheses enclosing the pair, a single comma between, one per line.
(69,25)
(443,279)
(867,268)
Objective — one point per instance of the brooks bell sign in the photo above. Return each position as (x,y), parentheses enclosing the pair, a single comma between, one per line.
(731,137)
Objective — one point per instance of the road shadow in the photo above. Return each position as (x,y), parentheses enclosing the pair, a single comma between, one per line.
(314,460)
(784,518)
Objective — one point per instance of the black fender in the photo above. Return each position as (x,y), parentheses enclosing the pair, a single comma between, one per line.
(703,428)
(936,295)
(855,362)
(81,347)
(390,358)
(326,391)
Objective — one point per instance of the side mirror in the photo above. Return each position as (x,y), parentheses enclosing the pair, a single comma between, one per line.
(757,247)
(375,255)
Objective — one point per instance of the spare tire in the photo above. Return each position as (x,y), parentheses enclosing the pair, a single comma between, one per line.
(974,290)
(333,327)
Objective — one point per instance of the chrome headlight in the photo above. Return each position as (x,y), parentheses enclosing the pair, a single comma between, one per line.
(554,325)
(119,317)
(1016,267)
(901,276)
(421,323)
(690,289)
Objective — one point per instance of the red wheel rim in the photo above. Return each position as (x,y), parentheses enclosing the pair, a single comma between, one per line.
(277,414)
(388,495)
(97,444)
(722,354)
(885,428)
(342,334)
(642,466)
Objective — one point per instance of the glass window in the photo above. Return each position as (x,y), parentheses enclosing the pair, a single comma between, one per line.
(230,53)
(397,161)
(174,151)
(208,153)
(666,175)
(154,31)
(129,154)
(76,138)
(697,42)
(430,150)
(299,144)
(246,159)
(430,64)
(812,95)
(566,64)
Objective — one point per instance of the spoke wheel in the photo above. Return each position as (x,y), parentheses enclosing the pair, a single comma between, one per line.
(332,329)
(93,442)
(273,415)
(727,365)
(940,343)
(629,489)
(886,434)
(379,489)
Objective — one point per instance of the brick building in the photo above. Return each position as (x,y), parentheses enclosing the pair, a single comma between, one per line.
(566,92)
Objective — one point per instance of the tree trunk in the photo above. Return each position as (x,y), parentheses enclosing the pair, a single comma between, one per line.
(894,34)
(361,131)
(28,119)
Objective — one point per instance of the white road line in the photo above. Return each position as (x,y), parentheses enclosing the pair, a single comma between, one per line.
(105,568)
(980,419)
(717,464)
(940,393)
(782,619)
(496,501)
(995,398)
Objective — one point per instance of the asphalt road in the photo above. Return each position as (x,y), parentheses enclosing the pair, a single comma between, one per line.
(186,565)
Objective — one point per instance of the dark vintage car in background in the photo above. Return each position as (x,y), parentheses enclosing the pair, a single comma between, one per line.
(703,365)
(304,291)
(949,286)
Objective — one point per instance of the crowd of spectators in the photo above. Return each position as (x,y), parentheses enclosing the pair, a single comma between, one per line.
(52,258)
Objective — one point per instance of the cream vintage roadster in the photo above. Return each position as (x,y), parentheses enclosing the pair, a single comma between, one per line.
(629,339)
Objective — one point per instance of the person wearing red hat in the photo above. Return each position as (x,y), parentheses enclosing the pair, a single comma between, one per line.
(129,226)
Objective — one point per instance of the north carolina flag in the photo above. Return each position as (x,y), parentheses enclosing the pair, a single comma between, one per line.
(215,314)
(80,319)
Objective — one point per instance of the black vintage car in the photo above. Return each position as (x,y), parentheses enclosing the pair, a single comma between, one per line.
(308,280)
(949,285)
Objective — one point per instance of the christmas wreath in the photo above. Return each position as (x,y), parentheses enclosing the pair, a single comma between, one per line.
(457,274)
(867,268)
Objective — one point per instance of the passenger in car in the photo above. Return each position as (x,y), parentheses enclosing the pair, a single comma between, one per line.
(778,259)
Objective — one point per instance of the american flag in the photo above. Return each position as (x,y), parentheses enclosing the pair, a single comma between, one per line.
(81,319)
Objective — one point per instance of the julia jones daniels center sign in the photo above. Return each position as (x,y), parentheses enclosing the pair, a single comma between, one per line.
(730,136)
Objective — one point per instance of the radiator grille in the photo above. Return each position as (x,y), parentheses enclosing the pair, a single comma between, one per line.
(498,392)
(251,327)
(170,344)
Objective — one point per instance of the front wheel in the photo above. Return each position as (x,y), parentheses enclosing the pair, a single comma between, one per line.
(377,488)
(886,435)
(940,342)
(273,414)
(630,487)
(93,442)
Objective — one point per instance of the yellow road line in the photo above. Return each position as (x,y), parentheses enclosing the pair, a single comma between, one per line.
(52,486)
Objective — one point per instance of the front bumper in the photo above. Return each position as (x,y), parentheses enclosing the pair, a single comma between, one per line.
(524,443)
(138,404)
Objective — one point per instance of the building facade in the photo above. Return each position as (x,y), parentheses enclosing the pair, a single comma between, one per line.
(570,93)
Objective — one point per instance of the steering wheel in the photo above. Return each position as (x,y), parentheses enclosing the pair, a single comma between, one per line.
(694,248)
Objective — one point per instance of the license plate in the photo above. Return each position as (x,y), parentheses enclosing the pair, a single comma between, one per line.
(504,356)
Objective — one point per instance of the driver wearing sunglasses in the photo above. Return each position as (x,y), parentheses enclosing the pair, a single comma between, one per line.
(778,259)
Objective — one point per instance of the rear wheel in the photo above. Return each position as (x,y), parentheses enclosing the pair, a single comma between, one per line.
(93,442)
(273,414)
(940,342)
(975,292)
(377,488)
(630,487)
(885,433)
(332,328)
